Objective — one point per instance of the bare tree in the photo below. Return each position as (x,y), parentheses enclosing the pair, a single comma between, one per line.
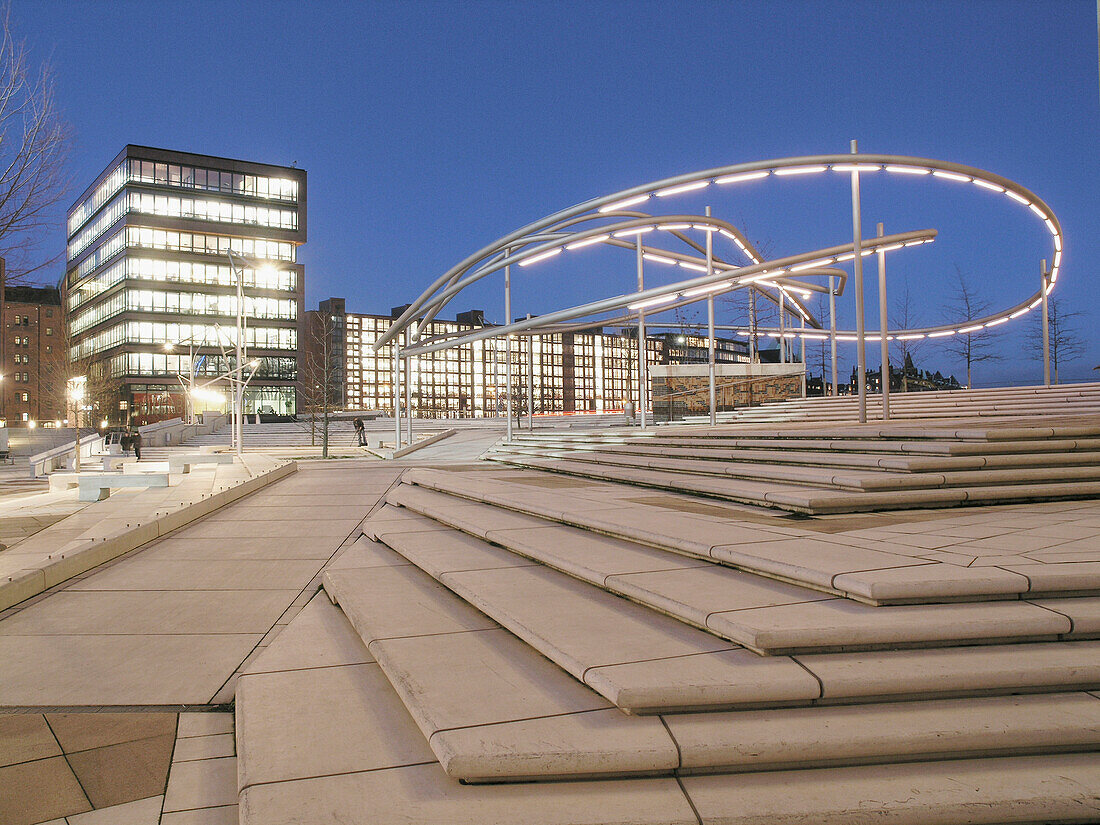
(963,305)
(34,145)
(904,316)
(1066,343)
(317,373)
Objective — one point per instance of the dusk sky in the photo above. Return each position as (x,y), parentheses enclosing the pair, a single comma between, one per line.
(430,129)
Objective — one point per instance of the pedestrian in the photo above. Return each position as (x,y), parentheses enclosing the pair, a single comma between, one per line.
(136,441)
(360,432)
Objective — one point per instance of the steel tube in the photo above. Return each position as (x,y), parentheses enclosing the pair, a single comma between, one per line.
(884,343)
(861,334)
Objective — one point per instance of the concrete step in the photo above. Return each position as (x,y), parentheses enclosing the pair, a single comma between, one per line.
(761,614)
(806,499)
(876,479)
(493,709)
(865,568)
(320,729)
(640,656)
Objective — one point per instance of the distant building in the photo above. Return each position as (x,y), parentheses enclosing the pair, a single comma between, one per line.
(593,370)
(148,267)
(31,354)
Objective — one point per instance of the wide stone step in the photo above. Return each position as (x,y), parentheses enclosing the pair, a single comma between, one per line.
(874,571)
(805,499)
(824,477)
(322,737)
(849,460)
(639,655)
(493,709)
(763,615)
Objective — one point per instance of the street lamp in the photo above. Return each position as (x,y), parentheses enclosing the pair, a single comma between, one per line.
(189,410)
(239,379)
(76,387)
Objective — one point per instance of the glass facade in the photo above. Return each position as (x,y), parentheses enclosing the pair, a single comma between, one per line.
(595,371)
(149,267)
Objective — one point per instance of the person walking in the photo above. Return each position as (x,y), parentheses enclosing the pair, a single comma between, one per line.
(360,432)
(135,436)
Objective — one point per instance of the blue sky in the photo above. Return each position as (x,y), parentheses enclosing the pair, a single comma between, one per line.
(430,129)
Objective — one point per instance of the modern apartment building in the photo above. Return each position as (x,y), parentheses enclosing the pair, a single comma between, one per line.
(155,247)
(591,371)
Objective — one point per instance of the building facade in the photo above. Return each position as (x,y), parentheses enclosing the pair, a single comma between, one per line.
(32,355)
(591,371)
(155,247)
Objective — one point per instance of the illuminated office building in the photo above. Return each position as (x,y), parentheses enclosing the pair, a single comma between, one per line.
(591,371)
(148,267)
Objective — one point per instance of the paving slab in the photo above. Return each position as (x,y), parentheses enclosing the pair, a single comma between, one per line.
(450,551)
(115,774)
(25,737)
(91,612)
(1083,612)
(838,624)
(365,552)
(118,670)
(401,603)
(885,732)
(556,614)
(1053,578)
(319,635)
(33,792)
(296,724)
(218,815)
(204,724)
(425,795)
(237,549)
(810,561)
(598,743)
(206,783)
(150,574)
(927,583)
(204,747)
(587,555)
(967,670)
(1024,789)
(139,812)
(85,731)
(694,594)
(722,679)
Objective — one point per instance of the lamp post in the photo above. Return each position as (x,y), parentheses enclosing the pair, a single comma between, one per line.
(189,408)
(238,380)
(76,389)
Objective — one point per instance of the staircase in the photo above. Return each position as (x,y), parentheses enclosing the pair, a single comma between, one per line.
(1003,402)
(1048,450)
(510,645)
(341,434)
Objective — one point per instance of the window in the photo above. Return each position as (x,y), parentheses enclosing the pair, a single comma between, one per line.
(16,320)
(49,331)
(26,321)
(26,396)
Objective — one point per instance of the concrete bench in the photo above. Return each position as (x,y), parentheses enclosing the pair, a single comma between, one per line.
(178,463)
(108,461)
(98,486)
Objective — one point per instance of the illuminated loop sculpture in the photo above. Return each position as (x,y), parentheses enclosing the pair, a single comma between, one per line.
(612,221)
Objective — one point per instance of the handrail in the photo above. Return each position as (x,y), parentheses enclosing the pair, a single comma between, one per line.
(60,452)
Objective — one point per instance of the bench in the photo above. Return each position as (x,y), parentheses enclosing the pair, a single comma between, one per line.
(98,486)
(178,463)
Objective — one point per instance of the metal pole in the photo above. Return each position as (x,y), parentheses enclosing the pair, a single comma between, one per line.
(832,327)
(782,327)
(530,380)
(508,349)
(802,355)
(240,358)
(884,346)
(752,325)
(711,388)
(396,395)
(1046,325)
(643,371)
(861,333)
